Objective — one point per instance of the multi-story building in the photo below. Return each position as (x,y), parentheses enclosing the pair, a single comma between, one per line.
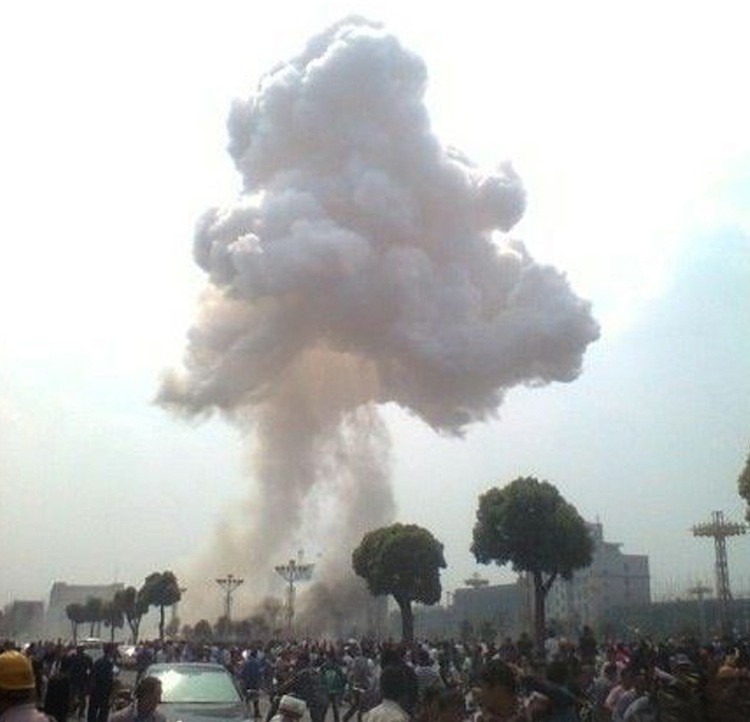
(62,594)
(502,605)
(614,580)
(23,620)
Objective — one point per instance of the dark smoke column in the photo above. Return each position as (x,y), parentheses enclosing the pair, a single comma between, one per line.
(363,263)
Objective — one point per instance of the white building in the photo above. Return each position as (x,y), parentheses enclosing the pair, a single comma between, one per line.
(613,580)
(62,594)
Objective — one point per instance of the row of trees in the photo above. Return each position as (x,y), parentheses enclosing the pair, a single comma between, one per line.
(526,523)
(159,589)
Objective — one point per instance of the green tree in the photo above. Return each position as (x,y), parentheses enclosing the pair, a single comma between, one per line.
(403,560)
(133,606)
(76,614)
(223,628)
(743,482)
(529,524)
(113,616)
(162,590)
(93,610)
(202,631)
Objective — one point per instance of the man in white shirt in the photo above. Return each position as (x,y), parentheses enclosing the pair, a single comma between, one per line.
(393,688)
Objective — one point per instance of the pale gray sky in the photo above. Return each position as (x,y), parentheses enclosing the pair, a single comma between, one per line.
(629,129)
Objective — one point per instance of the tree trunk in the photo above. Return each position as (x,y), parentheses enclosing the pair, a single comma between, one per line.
(539,618)
(112,633)
(161,623)
(407,620)
(74,626)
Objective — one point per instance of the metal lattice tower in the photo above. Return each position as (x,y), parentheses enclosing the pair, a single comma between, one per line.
(229,584)
(291,573)
(719,529)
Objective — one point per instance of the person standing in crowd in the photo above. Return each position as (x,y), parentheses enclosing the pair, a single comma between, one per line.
(393,656)
(102,684)
(427,676)
(587,646)
(499,693)
(57,700)
(360,680)
(144,708)
(394,690)
(80,674)
(252,675)
(18,689)
(603,685)
(334,680)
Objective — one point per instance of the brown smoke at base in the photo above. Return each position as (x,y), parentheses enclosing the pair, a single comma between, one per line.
(321,460)
(341,608)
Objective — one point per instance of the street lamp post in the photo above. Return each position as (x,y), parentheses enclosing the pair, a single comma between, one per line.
(293,572)
(229,584)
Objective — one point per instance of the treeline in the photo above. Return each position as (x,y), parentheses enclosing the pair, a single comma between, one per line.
(129,605)
(265,623)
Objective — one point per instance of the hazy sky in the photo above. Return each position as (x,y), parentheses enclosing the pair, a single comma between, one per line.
(629,129)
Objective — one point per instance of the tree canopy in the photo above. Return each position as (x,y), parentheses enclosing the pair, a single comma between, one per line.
(76,613)
(113,615)
(403,560)
(743,482)
(160,589)
(133,606)
(529,525)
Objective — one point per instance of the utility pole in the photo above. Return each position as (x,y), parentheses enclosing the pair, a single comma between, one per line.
(699,591)
(229,584)
(718,529)
(293,572)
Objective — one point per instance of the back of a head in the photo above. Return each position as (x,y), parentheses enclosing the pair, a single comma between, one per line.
(147,686)
(393,683)
(391,657)
(498,674)
(557,673)
(450,698)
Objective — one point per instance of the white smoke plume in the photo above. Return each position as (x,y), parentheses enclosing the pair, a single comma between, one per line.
(362,264)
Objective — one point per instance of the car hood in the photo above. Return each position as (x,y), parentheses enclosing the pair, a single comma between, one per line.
(203,712)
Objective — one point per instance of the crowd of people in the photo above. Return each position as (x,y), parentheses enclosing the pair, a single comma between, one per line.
(447,681)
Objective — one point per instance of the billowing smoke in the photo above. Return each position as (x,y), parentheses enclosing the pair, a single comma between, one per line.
(363,263)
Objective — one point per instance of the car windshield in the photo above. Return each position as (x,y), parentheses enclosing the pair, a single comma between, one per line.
(195,685)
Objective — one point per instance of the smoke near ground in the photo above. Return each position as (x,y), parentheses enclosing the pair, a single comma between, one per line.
(363,263)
